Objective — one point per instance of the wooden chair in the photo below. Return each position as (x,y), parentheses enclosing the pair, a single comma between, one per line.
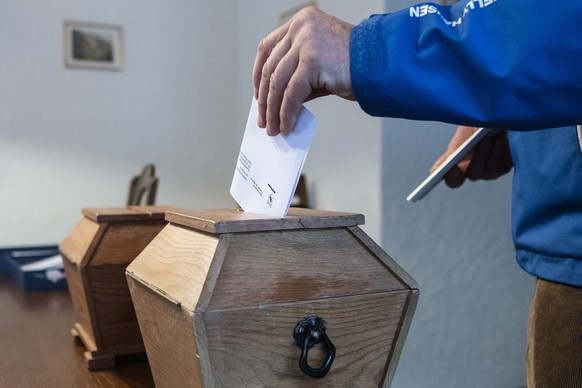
(143,186)
(301,198)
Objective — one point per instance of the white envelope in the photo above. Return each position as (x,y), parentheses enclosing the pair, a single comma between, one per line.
(268,168)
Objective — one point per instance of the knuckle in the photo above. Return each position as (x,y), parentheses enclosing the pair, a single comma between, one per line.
(263,46)
(274,85)
(291,89)
(265,76)
(285,118)
(308,11)
(268,71)
(304,17)
(277,83)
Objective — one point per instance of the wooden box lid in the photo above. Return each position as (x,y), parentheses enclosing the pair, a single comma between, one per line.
(126,214)
(118,232)
(236,221)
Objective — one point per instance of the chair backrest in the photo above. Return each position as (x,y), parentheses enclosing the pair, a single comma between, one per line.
(140,185)
(301,198)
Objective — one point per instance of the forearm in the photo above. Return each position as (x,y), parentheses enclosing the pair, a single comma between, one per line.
(509,64)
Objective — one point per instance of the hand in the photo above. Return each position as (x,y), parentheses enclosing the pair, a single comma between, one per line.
(490,158)
(305,58)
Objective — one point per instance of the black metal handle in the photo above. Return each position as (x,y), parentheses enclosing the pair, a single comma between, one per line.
(307,333)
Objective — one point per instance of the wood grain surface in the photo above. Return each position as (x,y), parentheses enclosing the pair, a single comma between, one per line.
(77,247)
(128,213)
(96,253)
(168,334)
(235,220)
(233,298)
(277,267)
(39,351)
(176,264)
(255,347)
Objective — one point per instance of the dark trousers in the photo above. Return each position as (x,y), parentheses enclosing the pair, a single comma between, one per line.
(554,351)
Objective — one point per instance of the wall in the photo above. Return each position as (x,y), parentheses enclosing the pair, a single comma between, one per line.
(73,138)
(470,324)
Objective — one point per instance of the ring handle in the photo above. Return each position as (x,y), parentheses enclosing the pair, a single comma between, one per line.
(309,332)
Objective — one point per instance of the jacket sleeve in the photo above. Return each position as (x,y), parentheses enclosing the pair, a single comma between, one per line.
(511,64)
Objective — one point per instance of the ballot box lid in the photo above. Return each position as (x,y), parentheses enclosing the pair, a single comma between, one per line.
(112,235)
(128,213)
(236,221)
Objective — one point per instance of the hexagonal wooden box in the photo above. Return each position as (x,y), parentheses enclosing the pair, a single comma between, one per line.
(95,255)
(222,298)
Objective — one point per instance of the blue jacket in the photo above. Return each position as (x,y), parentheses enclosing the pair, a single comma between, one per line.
(498,63)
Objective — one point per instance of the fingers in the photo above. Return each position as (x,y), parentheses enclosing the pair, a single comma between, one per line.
(305,58)
(270,51)
(439,161)
(461,134)
(283,88)
(297,90)
(480,160)
(264,51)
(277,72)
(455,177)
(491,159)
(505,153)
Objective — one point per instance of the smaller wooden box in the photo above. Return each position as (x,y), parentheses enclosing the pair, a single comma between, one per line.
(226,298)
(95,255)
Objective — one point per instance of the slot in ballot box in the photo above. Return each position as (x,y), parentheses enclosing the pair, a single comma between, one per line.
(226,298)
(95,255)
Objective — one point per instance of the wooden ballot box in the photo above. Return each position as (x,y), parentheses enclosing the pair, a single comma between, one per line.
(95,255)
(226,298)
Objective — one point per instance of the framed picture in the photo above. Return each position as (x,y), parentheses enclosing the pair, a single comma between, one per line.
(93,46)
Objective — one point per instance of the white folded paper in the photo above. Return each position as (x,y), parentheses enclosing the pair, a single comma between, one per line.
(268,168)
(51,262)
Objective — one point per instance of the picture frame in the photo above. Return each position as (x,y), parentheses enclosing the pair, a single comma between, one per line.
(92,46)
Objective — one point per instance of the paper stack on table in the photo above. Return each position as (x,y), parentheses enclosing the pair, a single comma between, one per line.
(268,168)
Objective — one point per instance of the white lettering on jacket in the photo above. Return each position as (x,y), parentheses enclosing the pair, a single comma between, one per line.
(422,10)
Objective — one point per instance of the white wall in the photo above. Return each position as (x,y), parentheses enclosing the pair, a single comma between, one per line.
(73,138)
(469,329)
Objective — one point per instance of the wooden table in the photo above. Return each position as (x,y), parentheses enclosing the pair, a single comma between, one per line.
(38,350)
